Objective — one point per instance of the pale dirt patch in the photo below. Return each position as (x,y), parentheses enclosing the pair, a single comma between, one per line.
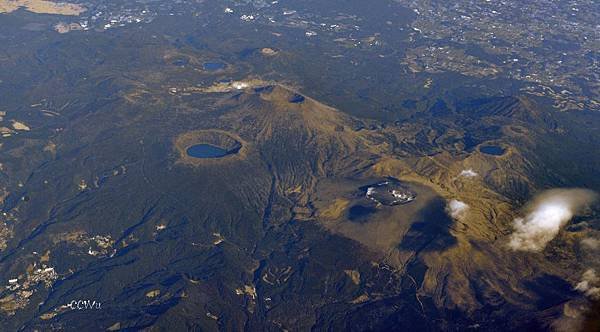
(268,51)
(20,126)
(354,276)
(42,7)
(153,293)
(335,209)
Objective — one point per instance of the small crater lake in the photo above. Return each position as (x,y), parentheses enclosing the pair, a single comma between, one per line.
(296,99)
(207,151)
(180,62)
(492,150)
(213,66)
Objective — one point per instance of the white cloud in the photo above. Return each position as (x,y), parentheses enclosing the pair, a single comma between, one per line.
(572,318)
(468,173)
(547,214)
(588,284)
(591,243)
(457,209)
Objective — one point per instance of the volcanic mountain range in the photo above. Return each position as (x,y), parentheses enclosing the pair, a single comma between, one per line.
(122,215)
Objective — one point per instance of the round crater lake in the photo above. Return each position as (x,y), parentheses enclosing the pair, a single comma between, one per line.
(213,66)
(492,150)
(296,99)
(180,62)
(207,151)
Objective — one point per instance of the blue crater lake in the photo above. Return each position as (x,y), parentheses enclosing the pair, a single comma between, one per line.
(213,66)
(206,151)
(492,150)
(180,62)
(296,99)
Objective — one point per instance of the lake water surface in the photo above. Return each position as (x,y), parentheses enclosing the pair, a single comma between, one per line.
(297,99)
(492,150)
(206,151)
(213,66)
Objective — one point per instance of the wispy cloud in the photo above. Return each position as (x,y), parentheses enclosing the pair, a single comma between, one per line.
(589,284)
(572,317)
(547,214)
(468,173)
(457,209)
(591,243)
